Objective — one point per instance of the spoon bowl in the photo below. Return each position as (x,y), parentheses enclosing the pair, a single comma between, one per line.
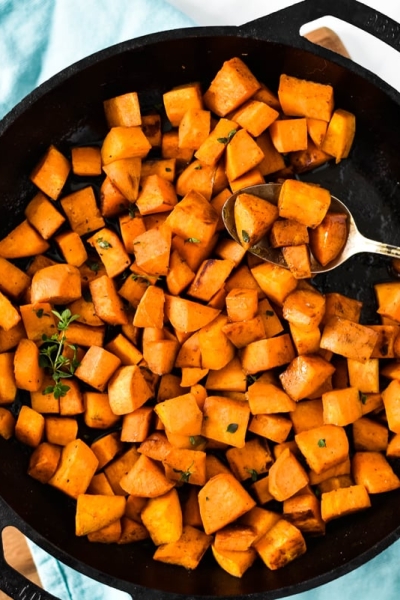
(355,241)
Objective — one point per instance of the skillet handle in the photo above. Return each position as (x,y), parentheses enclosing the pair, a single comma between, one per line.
(13,583)
(284,25)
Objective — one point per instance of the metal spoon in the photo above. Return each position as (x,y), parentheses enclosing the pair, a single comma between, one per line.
(355,244)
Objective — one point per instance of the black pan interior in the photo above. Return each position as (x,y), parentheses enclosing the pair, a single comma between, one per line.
(68,110)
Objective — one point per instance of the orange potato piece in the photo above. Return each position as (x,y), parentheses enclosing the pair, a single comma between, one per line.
(328,239)
(233,84)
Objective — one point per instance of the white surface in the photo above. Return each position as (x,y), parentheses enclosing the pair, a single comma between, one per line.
(363,48)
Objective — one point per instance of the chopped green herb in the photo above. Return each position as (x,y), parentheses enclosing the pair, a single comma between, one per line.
(192,241)
(168,169)
(253,474)
(51,356)
(103,243)
(321,443)
(184,475)
(269,313)
(245,236)
(232,428)
(192,440)
(363,397)
(94,266)
(132,210)
(198,168)
(227,139)
(141,278)
(251,378)
(39,313)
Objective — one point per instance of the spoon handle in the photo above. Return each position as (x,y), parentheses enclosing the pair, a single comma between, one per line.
(380,248)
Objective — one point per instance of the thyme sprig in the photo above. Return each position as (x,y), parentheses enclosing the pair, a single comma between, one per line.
(51,355)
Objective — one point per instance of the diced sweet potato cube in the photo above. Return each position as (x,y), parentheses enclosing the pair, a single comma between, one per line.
(180,99)
(222,500)
(303,98)
(252,460)
(112,201)
(271,426)
(187,551)
(304,375)
(181,415)
(107,303)
(151,126)
(338,305)
(194,128)
(23,241)
(187,315)
(44,461)
(156,195)
(348,339)
(305,202)
(97,366)
(372,470)
(128,389)
(281,544)
(340,134)
(267,354)
(225,420)
(242,154)
(27,371)
(304,308)
(58,284)
(298,260)
(152,250)
(123,110)
(316,130)
(124,142)
(9,315)
(209,278)
(289,135)
(124,174)
(342,407)
(234,562)
(328,239)
(275,281)
(265,397)
(233,84)
(43,215)
(86,160)
(162,517)
(288,232)
(212,148)
(7,423)
(75,470)
(323,447)
(273,160)
(369,435)
(72,248)
(344,501)
(391,400)
(254,217)
(82,212)
(304,512)
(51,173)
(146,479)
(93,512)
(308,159)
(255,116)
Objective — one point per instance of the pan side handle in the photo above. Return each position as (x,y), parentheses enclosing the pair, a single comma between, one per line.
(13,583)
(284,25)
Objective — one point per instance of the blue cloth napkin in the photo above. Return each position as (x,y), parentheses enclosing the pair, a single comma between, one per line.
(37,39)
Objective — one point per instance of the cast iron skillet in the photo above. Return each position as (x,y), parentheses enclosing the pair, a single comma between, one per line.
(67,110)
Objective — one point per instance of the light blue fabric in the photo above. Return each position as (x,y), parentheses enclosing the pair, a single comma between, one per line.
(37,39)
